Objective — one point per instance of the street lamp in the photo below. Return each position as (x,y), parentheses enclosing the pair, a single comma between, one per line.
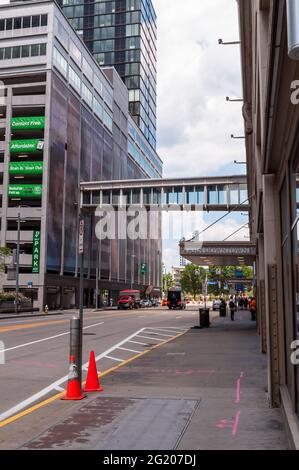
(237,137)
(234,100)
(230,43)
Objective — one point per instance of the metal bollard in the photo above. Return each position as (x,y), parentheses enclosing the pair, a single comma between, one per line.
(75,349)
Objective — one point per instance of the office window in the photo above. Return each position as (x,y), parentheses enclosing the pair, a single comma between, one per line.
(86,94)
(43,49)
(74,79)
(2,25)
(9,23)
(60,62)
(17,24)
(35,21)
(34,50)
(44,20)
(26,21)
(25,51)
(16,52)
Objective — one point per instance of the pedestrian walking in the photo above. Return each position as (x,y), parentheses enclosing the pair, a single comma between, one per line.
(252,308)
(222,308)
(246,303)
(232,307)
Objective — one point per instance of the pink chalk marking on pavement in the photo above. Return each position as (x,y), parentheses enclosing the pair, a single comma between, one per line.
(236,423)
(238,388)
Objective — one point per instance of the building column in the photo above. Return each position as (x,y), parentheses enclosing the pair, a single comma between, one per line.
(271,256)
(261,300)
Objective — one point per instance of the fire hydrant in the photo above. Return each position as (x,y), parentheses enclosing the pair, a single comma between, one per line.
(46,309)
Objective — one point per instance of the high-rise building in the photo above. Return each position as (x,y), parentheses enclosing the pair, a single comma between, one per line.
(122,33)
(64,120)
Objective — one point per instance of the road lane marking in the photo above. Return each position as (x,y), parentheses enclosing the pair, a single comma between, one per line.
(48,338)
(169,328)
(14,417)
(150,337)
(138,342)
(4,329)
(179,317)
(114,358)
(130,350)
(156,334)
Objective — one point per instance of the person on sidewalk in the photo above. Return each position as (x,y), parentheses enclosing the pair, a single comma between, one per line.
(232,307)
(252,308)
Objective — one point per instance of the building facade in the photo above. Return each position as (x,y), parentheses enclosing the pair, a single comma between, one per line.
(271,114)
(64,120)
(123,34)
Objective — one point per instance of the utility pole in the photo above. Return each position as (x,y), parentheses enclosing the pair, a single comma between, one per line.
(81,292)
(18,263)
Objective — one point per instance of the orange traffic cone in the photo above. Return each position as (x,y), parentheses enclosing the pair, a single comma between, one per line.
(73,391)
(92,382)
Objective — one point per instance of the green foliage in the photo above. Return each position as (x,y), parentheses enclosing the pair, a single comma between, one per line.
(192,278)
(4,252)
(168,282)
(11,296)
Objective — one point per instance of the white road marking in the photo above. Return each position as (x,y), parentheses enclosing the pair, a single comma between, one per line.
(48,338)
(130,350)
(59,389)
(156,334)
(45,391)
(142,316)
(179,317)
(169,328)
(115,359)
(147,337)
(138,342)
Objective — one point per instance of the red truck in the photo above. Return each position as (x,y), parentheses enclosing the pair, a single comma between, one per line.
(128,299)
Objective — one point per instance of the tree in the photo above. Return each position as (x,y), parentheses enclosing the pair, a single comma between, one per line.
(192,278)
(168,282)
(4,252)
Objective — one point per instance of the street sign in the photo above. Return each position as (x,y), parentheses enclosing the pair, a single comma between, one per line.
(81,236)
(29,284)
(212,283)
(36,251)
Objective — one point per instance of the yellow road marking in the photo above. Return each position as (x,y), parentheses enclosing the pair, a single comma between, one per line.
(33,408)
(4,329)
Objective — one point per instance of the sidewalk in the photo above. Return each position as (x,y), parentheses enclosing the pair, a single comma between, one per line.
(205,390)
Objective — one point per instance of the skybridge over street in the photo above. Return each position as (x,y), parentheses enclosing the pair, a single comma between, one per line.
(209,194)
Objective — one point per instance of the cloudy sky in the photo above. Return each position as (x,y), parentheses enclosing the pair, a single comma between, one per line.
(195,121)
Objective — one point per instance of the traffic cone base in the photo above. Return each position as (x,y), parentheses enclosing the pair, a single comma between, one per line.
(92,381)
(73,391)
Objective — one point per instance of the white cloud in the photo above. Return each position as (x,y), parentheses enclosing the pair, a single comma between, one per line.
(195,75)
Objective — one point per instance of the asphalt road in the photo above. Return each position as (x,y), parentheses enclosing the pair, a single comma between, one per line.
(37,349)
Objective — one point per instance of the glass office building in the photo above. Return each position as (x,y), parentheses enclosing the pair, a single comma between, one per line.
(122,33)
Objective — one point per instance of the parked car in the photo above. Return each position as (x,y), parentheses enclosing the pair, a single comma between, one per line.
(144,303)
(216,304)
(155,302)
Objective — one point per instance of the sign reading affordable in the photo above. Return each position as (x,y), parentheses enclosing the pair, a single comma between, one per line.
(33,145)
(25,168)
(36,251)
(37,122)
(25,190)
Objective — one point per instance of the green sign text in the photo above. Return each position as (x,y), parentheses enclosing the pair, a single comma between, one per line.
(36,251)
(19,123)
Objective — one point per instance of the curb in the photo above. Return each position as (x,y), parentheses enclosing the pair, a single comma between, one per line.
(30,315)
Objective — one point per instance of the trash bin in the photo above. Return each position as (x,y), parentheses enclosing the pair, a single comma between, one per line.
(204,317)
(222,311)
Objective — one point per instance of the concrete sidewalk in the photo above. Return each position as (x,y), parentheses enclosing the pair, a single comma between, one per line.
(205,390)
